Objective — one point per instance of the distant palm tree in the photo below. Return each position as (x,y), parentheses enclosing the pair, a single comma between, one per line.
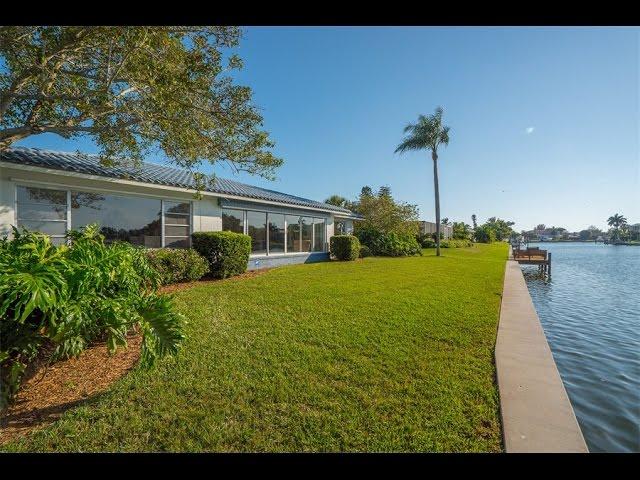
(445,221)
(616,221)
(428,134)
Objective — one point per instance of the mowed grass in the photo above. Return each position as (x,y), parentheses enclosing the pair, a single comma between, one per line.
(381,354)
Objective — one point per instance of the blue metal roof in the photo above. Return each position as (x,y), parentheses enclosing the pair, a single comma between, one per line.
(153,174)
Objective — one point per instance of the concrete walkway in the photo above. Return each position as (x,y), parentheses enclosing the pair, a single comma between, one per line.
(537,415)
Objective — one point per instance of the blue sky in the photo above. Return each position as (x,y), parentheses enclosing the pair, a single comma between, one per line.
(544,121)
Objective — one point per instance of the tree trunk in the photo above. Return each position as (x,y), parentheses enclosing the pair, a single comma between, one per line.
(434,156)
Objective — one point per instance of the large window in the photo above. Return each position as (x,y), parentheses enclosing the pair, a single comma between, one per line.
(131,219)
(43,210)
(318,235)
(177,224)
(276,233)
(306,224)
(293,233)
(257,230)
(233,220)
(137,220)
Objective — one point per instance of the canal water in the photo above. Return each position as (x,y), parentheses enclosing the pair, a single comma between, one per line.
(590,312)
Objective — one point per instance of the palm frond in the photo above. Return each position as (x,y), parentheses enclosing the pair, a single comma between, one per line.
(426,134)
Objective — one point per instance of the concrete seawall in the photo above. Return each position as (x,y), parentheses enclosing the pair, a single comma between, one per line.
(537,415)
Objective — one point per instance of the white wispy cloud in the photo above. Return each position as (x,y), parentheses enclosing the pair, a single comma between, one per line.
(530,130)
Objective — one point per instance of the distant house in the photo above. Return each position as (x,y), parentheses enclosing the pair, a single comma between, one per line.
(154,206)
(430,227)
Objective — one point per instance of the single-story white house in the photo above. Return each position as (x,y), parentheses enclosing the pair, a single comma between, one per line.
(154,206)
(427,228)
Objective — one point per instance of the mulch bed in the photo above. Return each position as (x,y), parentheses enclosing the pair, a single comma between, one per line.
(51,390)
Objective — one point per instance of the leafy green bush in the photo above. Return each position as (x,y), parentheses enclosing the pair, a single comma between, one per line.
(177,264)
(68,296)
(426,241)
(461,243)
(344,247)
(484,234)
(389,244)
(364,251)
(227,252)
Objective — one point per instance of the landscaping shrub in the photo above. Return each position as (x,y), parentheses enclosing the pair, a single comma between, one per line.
(461,243)
(226,252)
(344,247)
(177,264)
(426,241)
(65,297)
(389,244)
(484,234)
(364,251)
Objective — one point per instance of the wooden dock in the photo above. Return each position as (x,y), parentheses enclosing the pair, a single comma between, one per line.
(534,256)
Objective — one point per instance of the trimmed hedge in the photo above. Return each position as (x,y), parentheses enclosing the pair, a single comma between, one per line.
(344,247)
(177,264)
(364,251)
(226,252)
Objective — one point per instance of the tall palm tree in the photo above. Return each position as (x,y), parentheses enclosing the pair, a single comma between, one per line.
(616,221)
(428,133)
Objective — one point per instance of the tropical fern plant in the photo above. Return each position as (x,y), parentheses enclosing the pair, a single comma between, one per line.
(70,296)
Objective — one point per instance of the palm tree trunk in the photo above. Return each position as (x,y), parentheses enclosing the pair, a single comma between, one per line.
(434,156)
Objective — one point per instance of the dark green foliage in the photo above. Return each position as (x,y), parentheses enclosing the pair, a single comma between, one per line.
(454,243)
(484,234)
(344,247)
(382,213)
(364,251)
(177,264)
(461,231)
(70,296)
(389,244)
(227,252)
(426,241)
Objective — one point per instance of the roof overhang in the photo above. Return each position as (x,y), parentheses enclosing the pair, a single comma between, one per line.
(154,186)
(344,216)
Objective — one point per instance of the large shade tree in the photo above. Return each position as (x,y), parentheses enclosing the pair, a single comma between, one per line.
(428,133)
(133,90)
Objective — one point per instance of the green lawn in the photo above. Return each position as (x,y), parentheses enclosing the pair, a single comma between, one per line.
(382,354)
